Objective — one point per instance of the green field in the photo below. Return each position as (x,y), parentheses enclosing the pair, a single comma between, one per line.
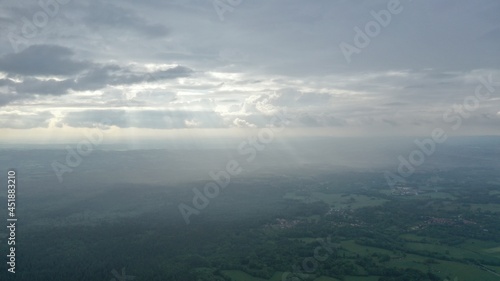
(238,275)
(416,238)
(486,207)
(438,195)
(358,278)
(351,246)
(326,278)
(450,251)
(463,271)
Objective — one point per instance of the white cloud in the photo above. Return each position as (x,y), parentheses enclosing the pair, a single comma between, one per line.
(238,122)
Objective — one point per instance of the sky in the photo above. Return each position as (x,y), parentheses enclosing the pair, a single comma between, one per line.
(197,68)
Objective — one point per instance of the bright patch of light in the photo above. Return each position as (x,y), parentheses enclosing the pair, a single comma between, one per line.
(226,75)
(187,93)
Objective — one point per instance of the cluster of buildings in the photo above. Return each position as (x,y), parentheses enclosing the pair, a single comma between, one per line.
(283,223)
(443,221)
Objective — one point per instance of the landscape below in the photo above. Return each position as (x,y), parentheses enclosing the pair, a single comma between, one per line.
(308,222)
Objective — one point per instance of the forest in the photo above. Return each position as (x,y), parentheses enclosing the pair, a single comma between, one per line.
(324,227)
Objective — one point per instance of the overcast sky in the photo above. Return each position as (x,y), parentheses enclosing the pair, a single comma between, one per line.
(162,68)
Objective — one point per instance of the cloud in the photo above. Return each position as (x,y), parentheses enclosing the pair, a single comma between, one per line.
(43,87)
(268,103)
(43,60)
(6,98)
(172,73)
(25,121)
(238,122)
(104,16)
(174,64)
(290,98)
(153,119)
(305,109)
(35,66)
(321,119)
(102,76)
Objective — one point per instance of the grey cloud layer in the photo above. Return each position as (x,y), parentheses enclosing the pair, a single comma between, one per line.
(43,60)
(51,60)
(170,57)
(25,121)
